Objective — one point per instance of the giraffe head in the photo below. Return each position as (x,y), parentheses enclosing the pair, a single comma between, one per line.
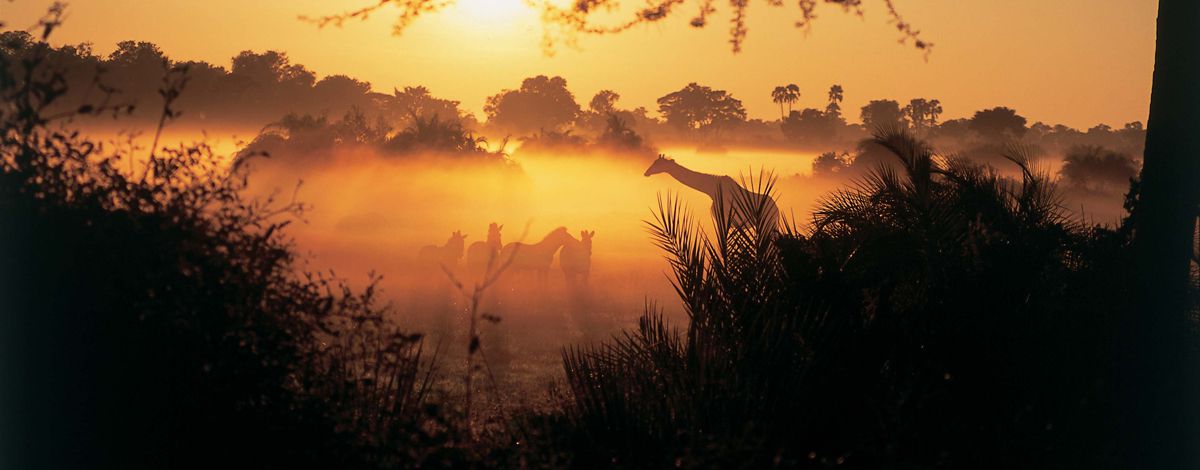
(660,165)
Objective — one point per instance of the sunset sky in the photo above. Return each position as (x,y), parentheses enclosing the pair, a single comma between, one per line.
(1075,62)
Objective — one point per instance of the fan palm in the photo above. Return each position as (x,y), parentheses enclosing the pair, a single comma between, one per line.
(793,95)
(780,96)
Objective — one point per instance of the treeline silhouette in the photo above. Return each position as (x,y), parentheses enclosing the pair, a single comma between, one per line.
(267,89)
(257,89)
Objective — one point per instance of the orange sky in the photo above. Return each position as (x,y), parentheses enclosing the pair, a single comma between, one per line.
(1076,62)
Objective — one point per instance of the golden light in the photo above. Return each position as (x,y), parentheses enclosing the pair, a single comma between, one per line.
(492,12)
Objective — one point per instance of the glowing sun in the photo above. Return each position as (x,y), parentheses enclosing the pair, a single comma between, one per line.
(492,11)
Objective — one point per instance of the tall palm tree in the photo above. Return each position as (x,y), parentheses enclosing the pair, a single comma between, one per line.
(780,95)
(835,98)
(793,95)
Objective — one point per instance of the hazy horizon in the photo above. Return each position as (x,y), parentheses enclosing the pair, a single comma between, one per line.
(1090,67)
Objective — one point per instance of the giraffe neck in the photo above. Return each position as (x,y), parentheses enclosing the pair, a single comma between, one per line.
(703,182)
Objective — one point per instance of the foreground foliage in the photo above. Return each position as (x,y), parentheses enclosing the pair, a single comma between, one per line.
(155,316)
(935,315)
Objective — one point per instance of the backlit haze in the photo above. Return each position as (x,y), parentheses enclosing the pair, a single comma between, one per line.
(1074,62)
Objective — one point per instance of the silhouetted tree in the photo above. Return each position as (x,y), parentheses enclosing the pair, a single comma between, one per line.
(923,114)
(343,92)
(998,124)
(835,101)
(959,129)
(133,65)
(779,96)
(604,102)
(830,163)
(1159,381)
(811,127)
(541,103)
(417,100)
(883,114)
(618,135)
(793,95)
(787,94)
(1096,169)
(446,137)
(700,108)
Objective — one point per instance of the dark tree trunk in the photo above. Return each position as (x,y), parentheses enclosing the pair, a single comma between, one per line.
(1158,371)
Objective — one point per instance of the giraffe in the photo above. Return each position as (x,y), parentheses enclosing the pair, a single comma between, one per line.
(728,197)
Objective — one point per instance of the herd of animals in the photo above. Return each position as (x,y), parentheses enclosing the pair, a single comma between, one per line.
(575,255)
(485,257)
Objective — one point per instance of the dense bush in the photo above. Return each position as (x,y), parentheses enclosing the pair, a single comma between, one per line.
(1096,169)
(155,317)
(315,139)
(935,315)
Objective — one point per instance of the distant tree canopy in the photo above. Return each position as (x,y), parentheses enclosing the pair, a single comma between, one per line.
(812,127)
(698,107)
(829,163)
(258,88)
(541,103)
(271,67)
(998,123)
(605,101)
(883,114)
(955,129)
(1097,169)
(923,113)
(417,100)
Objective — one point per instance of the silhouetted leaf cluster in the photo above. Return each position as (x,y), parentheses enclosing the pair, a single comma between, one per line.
(160,318)
(937,314)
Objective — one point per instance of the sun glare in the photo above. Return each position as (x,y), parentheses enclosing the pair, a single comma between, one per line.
(492,12)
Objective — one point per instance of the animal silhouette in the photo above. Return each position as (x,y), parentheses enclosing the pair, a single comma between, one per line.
(482,255)
(534,257)
(446,255)
(575,259)
(727,196)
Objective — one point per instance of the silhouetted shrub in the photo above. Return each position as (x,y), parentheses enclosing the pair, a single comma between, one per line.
(551,141)
(1096,169)
(619,136)
(937,314)
(301,138)
(830,163)
(157,317)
